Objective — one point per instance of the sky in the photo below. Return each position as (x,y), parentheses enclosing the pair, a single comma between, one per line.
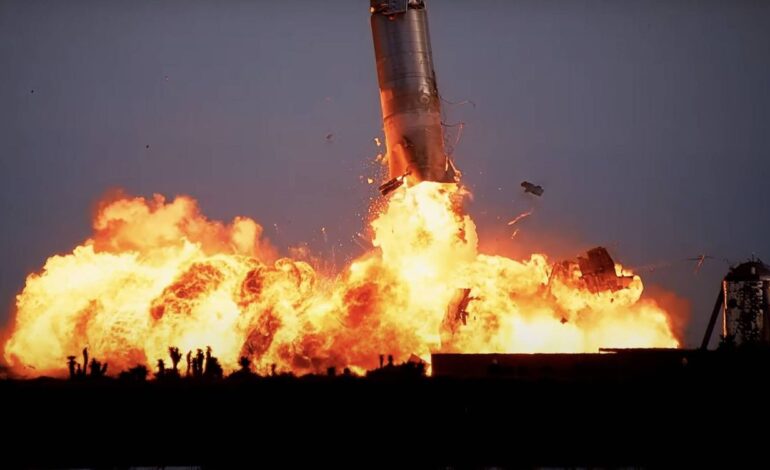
(647,123)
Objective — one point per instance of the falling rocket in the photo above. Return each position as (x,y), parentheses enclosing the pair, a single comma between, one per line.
(411,107)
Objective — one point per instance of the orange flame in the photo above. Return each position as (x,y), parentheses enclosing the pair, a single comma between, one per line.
(157,274)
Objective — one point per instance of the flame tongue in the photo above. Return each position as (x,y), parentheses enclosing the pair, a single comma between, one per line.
(157,274)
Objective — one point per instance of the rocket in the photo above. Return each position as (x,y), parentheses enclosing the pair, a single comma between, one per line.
(411,106)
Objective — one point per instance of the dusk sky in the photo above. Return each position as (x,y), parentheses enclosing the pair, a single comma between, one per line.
(647,123)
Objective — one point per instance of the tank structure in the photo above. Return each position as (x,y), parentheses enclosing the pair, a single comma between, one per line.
(411,106)
(746,291)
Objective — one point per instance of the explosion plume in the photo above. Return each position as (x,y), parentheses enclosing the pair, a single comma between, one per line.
(158,273)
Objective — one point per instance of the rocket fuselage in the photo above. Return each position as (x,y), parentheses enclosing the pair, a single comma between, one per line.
(411,108)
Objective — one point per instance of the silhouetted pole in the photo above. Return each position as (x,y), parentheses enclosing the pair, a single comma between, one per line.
(713,320)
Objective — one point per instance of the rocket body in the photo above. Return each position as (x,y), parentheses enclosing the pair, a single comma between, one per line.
(411,107)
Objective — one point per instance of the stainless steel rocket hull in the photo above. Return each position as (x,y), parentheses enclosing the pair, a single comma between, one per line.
(411,108)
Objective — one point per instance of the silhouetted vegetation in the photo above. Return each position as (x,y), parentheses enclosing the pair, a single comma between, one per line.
(245,371)
(176,356)
(213,369)
(202,365)
(94,369)
(198,366)
(137,374)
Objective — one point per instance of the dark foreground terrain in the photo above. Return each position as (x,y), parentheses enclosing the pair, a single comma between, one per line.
(712,411)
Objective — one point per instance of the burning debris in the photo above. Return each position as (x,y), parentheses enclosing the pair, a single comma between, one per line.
(519,217)
(456,314)
(393,184)
(597,271)
(516,219)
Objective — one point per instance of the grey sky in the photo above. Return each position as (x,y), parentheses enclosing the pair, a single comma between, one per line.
(648,123)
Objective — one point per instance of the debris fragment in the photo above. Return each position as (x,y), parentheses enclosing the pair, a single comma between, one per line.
(537,190)
(520,216)
(700,260)
(377,141)
(597,271)
(369,180)
(329,137)
(390,186)
(456,313)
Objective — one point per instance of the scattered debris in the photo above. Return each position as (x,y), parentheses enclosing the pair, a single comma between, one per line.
(532,188)
(329,137)
(518,218)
